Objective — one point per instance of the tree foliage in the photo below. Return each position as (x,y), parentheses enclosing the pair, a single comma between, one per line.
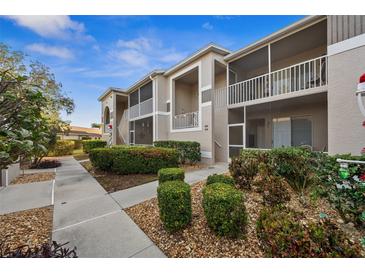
(30,104)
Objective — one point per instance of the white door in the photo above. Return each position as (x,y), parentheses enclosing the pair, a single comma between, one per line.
(281,132)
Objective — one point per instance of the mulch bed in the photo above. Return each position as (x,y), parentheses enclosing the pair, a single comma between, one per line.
(34,177)
(197,240)
(31,227)
(113,182)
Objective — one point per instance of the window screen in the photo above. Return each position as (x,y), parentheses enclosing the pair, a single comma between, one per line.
(133,98)
(206,96)
(146,92)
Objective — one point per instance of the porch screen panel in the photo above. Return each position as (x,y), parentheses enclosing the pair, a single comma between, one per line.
(144,131)
(301,131)
(133,98)
(146,92)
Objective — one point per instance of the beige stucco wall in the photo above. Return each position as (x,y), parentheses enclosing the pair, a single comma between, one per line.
(345,131)
(107,102)
(186,98)
(317,112)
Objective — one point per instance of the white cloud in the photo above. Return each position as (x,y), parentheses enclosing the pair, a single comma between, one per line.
(58,26)
(59,52)
(144,52)
(132,57)
(207,26)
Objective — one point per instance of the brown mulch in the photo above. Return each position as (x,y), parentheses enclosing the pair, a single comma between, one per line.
(113,182)
(31,227)
(34,177)
(197,240)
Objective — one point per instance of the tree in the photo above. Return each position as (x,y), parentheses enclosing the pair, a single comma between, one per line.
(30,104)
(95,125)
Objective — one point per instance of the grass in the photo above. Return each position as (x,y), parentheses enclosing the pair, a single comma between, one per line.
(79,155)
(113,182)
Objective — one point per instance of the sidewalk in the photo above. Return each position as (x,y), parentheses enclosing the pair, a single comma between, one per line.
(94,221)
(88,218)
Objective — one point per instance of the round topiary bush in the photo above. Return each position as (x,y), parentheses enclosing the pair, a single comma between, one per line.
(224,209)
(171,174)
(174,202)
(220,178)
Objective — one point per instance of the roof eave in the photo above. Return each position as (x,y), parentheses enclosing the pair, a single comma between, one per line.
(288,29)
(197,55)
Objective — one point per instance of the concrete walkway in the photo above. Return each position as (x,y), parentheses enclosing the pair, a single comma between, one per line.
(25,196)
(88,218)
(94,221)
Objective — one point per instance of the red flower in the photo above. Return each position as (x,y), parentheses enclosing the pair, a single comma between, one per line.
(363,150)
(363,124)
(110,126)
(362,177)
(362,78)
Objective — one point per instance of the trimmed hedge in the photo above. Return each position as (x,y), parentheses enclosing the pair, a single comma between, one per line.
(174,201)
(88,145)
(220,178)
(63,147)
(133,159)
(224,209)
(189,152)
(171,174)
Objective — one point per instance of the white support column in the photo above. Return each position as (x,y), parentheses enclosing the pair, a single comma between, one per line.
(269,66)
(244,126)
(114,117)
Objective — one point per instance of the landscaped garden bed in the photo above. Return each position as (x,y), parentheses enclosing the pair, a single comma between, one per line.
(30,228)
(33,177)
(114,182)
(284,213)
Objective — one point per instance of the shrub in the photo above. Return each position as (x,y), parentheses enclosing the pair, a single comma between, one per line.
(88,145)
(133,159)
(63,147)
(282,234)
(220,178)
(47,164)
(274,188)
(78,144)
(296,165)
(46,250)
(171,174)
(224,209)
(174,201)
(243,169)
(189,152)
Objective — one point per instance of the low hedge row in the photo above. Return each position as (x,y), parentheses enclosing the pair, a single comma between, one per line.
(63,147)
(174,201)
(189,152)
(171,174)
(133,159)
(88,145)
(224,209)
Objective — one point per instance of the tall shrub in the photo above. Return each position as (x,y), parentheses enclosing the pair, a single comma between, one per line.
(189,152)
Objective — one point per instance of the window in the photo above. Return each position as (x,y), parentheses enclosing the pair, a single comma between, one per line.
(168,107)
(301,131)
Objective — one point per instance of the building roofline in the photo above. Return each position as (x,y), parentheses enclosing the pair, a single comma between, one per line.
(144,79)
(196,55)
(109,90)
(306,21)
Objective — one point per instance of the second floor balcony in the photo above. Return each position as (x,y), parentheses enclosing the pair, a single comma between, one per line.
(299,77)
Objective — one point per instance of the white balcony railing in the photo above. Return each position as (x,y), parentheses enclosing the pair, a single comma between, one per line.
(186,120)
(302,76)
(144,108)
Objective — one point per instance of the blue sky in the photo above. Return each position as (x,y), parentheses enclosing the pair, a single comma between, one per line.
(88,54)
